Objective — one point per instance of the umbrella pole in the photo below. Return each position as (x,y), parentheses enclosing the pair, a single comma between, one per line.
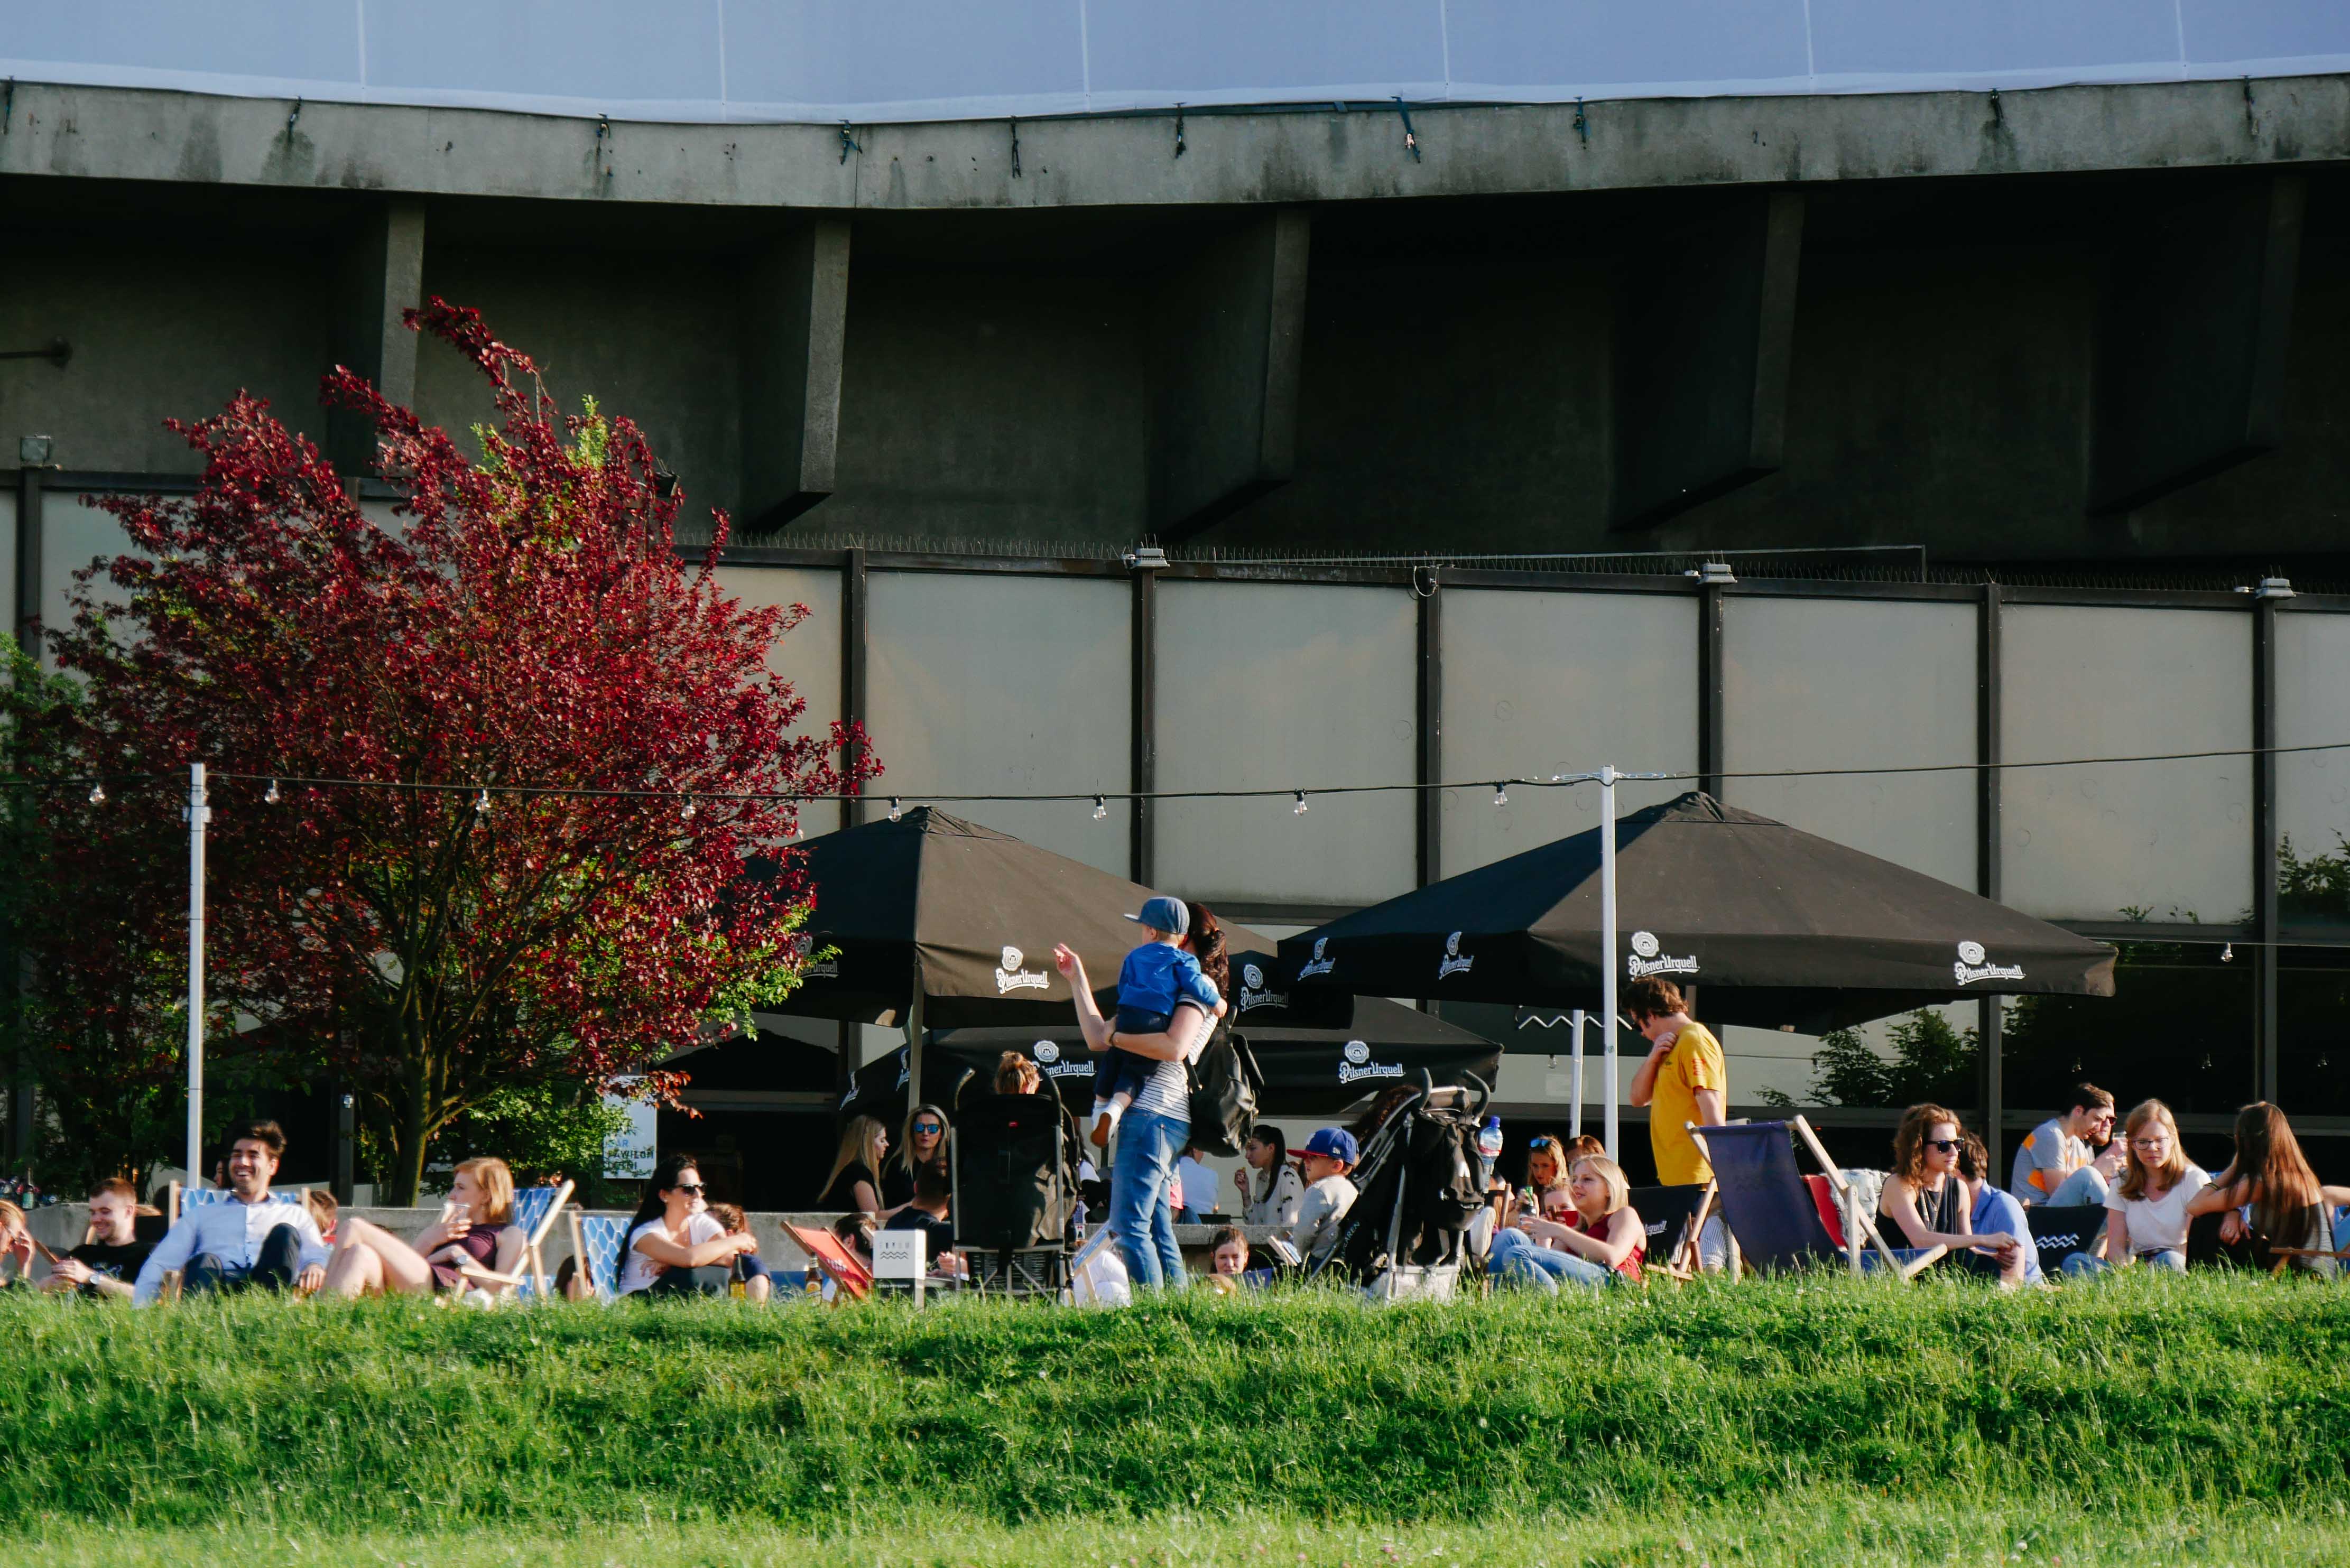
(1576,1127)
(914,1047)
(1607,946)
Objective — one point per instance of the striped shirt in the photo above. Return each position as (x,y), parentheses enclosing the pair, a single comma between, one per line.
(1168,1091)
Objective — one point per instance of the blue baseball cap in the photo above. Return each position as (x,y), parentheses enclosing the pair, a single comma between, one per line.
(1333,1143)
(1164,914)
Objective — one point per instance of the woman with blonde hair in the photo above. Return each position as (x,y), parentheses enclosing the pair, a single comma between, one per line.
(1928,1201)
(475,1229)
(2146,1212)
(925,1140)
(855,1182)
(2271,1177)
(1589,1233)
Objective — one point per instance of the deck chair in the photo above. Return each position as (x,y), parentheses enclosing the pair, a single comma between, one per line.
(853,1281)
(2058,1233)
(177,1199)
(535,1212)
(1673,1216)
(1781,1221)
(596,1251)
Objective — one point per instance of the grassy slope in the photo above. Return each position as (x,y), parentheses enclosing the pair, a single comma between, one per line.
(1941,1408)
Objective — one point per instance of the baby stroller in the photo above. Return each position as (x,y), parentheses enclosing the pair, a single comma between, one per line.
(1416,1191)
(1015,1192)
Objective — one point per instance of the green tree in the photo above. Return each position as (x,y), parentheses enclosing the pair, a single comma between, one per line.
(1931,1062)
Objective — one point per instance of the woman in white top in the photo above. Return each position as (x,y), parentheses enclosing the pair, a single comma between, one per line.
(1271,1195)
(674,1248)
(2146,1212)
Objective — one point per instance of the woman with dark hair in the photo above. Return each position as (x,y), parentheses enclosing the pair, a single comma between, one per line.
(674,1248)
(925,1140)
(1928,1202)
(1272,1199)
(1158,1126)
(2272,1177)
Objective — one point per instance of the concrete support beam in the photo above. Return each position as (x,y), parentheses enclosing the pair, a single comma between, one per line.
(1703,345)
(382,275)
(2191,344)
(796,325)
(1224,378)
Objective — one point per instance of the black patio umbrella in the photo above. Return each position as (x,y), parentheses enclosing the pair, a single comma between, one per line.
(1308,1072)
(937,923)
(1776,926)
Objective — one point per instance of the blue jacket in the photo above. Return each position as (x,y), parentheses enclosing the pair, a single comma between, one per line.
(1156,976)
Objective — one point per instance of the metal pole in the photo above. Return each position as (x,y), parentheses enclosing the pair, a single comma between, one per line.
(1576,1126)
(1607,947)
(199,814)
(913,1047)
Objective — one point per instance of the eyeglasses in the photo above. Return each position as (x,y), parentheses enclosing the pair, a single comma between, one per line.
(2155,1142)
(1947,1144)
(692,1186)
(927,1130)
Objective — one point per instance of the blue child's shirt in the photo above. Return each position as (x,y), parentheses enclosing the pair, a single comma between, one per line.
(1156,976)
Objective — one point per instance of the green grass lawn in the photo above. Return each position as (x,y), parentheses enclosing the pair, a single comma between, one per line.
(2142,1419)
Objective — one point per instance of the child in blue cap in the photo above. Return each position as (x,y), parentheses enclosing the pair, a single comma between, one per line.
(1156,976)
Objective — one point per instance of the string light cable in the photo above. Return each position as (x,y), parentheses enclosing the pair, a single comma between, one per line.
(484,795)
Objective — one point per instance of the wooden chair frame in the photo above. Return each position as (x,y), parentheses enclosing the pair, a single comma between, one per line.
(1861,1224)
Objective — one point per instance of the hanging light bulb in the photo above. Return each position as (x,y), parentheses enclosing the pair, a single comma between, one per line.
(688,812)
(482,804)
(270,796)
(1101,808)
(897,811)
(1299,809)
(1501,794)
(2228,953)
(98,794)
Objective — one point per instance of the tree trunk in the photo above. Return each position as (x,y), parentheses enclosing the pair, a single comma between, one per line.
(410,1122)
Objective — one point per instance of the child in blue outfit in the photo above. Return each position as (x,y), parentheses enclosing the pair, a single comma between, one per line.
(1155,977)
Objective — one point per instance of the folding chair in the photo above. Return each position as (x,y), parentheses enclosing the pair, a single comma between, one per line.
(596,1249)
(534,1211)
(1781,1220)
(853,1279)
(2058,1233)
(1673,1216)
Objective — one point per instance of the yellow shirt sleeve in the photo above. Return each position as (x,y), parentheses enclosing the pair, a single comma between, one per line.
(1697,1058)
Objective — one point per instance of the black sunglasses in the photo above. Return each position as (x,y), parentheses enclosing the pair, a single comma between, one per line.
(1947,1144)
(687,1187)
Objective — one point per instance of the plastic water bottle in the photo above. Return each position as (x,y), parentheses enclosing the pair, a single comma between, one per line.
(1488,1144)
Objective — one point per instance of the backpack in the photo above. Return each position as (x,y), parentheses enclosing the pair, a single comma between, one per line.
(1225,1083)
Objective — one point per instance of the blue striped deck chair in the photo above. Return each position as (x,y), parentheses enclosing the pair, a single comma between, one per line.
(535,1210)
(1771,1211)
(596,1243)
(185,1198)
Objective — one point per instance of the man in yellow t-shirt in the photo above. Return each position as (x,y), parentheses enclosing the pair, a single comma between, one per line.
(1684,1080)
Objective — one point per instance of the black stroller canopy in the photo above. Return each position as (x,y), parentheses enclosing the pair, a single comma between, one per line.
(1776,925)
(975,913)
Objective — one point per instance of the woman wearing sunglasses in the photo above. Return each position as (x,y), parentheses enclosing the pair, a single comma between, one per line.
(2146,1213)
(925,1140)
(675,1247)
(1925,1199)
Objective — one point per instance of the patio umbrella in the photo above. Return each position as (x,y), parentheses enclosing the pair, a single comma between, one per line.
(1777,927)
(1308,1072)
(934,922)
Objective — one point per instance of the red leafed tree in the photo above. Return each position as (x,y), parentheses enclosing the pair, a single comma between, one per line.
(523,627)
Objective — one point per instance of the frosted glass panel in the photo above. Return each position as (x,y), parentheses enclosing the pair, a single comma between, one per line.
(1283,686)
(72,535)
(1824,683)
(2313,787)
(808,655)
(2172,839)
(1018,685)
(1544,683)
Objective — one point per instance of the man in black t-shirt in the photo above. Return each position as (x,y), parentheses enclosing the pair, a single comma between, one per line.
(105,1265)
(928,1214)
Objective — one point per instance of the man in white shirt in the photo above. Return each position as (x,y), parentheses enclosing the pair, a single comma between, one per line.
(248,1240)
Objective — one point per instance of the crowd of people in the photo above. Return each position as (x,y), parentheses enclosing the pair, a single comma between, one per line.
(1571,1223)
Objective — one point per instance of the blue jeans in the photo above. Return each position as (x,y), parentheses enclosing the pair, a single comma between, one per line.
(274,1264)
(2081,1265)
(1147,1145)
(1515,1259)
